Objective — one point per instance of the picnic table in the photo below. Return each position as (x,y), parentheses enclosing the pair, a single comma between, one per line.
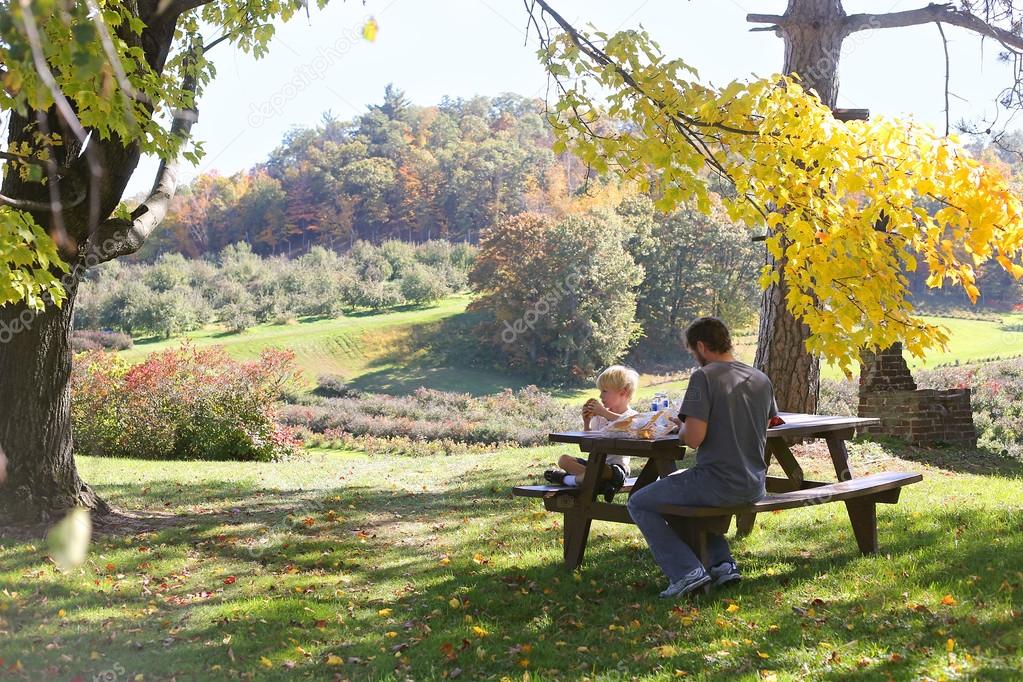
(581,507)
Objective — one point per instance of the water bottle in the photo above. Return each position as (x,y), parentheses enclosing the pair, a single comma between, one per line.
(655,403)
(665,403)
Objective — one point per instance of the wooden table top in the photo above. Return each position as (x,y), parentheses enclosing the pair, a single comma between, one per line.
(796,425)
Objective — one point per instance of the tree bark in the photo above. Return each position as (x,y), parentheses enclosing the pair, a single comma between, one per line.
(813,31)
(35,397)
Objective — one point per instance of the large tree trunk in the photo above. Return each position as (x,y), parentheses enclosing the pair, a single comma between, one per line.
(35,427)
(813,34)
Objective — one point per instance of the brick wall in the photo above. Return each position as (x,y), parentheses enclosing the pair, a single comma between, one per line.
(920,416)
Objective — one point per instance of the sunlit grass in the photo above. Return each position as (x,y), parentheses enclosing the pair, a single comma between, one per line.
(384,567)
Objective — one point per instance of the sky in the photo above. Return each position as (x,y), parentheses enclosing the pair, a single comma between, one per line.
(462,48)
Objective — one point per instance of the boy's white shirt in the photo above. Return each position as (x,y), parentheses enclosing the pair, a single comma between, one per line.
(597,423)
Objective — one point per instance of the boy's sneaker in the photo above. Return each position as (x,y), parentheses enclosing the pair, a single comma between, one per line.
(615,483)
(555,476)
(696,578)
(724,573)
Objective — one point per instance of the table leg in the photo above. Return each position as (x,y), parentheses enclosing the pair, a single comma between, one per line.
(666,467)
(647,475)
(577,522)
(839,456)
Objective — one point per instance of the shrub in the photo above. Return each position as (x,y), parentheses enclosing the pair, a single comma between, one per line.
(181,404)
(94,339)
(333,386)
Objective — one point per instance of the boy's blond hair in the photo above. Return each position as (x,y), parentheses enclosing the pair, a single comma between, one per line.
(618,378)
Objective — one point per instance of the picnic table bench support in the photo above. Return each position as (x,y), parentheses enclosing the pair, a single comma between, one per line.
(780,449)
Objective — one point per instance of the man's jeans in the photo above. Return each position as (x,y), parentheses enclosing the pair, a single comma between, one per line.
(689,487)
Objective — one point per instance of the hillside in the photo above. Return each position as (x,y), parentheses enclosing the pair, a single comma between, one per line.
(385,352)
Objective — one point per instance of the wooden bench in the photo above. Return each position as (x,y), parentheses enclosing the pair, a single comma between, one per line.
(861,496)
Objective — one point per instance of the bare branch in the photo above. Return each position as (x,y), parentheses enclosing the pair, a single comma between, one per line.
(775,19)
(944,43)
(24,204)
(945,13)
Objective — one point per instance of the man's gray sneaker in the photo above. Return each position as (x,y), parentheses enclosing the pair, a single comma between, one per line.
(696,578)
(724,573)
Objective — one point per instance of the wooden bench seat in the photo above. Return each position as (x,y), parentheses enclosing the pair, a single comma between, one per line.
(861,495)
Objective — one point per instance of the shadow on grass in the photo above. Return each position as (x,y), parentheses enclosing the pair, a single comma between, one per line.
(419,583)
(955,458)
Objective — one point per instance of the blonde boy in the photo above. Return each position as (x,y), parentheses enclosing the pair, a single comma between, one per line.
(617,385)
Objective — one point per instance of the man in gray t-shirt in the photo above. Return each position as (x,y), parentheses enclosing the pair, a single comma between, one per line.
(724,414)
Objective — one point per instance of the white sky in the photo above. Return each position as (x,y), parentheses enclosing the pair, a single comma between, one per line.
(463,48)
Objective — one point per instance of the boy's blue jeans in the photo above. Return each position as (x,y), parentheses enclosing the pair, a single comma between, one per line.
(690,487)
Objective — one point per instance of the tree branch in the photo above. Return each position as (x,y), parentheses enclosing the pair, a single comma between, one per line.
(117,237)
(944,13)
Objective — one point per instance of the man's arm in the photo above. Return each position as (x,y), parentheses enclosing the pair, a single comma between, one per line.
(692,432)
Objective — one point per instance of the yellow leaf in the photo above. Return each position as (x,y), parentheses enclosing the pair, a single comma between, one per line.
(732,608)
(761,654)
(455,603)
(480,632)
(266,662)
(667,651)
(950,645)
(444,560)
(384,613)
(334,659)
(369,29)
(391,633)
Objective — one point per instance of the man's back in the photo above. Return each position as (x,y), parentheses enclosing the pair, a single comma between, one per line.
(736,401)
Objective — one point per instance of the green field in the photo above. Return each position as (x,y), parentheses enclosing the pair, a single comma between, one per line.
(381,352)
(341,565)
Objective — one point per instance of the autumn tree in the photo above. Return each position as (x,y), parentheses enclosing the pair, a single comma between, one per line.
(843,203)
(560,293)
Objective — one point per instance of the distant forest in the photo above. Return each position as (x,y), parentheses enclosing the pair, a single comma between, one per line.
(419,173)
(399,171)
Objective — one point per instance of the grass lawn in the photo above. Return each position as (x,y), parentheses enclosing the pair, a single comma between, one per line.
(381,352)
(339,565)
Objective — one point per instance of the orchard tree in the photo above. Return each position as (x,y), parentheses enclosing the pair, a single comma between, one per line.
(88,87)
(844,203)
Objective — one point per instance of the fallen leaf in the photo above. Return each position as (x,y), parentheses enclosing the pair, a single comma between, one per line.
(480,632)
(230,580)
(948,600)
(455,603)
(732,608)
(950,645)
(266,662)
(334,659)
(384,613)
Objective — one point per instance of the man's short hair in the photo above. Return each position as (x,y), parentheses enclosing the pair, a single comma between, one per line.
(712,332)
(619,378)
